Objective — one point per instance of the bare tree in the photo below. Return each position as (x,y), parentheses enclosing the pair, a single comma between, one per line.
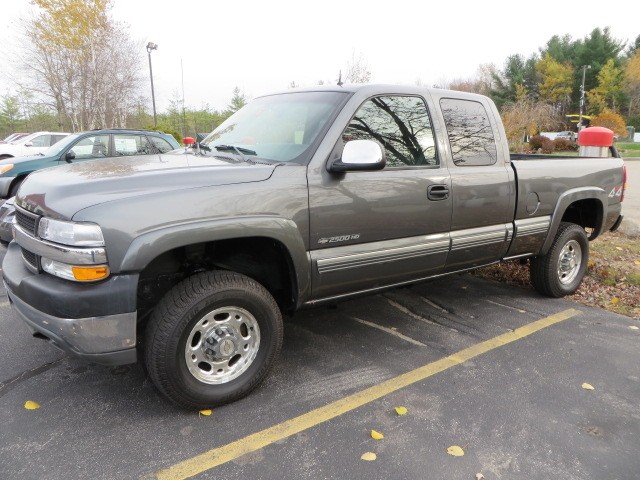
(82,62)
(357,70)
(526,117)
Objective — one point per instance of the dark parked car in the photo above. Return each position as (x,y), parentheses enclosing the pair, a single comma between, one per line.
(79,147)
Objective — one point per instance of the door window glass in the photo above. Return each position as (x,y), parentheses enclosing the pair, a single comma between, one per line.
(470,133)
(401,124)
(161,144)
(131,145)
(41,141)
(95,146)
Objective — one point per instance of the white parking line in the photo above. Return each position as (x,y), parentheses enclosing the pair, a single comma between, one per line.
(406,311)
(389,331)
(506,306)
(429,302)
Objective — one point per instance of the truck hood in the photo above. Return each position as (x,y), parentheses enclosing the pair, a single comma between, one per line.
(60,192)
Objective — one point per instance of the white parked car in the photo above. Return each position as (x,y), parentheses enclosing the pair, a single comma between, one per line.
(31,144)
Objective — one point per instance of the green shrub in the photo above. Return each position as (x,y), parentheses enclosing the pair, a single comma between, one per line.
(166,129)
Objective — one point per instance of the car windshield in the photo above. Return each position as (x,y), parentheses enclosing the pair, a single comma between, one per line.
(277,127)
(56,148)
(24,139)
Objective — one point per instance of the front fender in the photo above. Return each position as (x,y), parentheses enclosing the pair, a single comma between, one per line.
(153,243)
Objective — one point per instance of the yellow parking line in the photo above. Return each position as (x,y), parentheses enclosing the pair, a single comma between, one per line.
(217,456)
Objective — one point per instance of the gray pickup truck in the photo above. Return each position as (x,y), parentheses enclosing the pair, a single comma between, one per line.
(301,198)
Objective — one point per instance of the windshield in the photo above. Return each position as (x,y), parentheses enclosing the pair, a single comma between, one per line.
(278,127)
(56,148)
(24,139)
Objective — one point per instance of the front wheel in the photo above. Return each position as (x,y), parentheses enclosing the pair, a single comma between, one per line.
(561,270)
(212,339)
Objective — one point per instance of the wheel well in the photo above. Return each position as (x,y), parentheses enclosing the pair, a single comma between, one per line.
(14,183)
(586,213)
(265,260)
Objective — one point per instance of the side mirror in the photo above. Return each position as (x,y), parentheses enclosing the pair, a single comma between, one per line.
(28,144)
(360,155)
(70,155)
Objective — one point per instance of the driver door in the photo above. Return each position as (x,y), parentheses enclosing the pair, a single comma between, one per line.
(376,228)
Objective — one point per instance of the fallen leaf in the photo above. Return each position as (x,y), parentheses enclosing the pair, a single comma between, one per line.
(479,476)
(591,264)
(633,327)
(587,386)
(376,435)
(455,450)
(205,413)
(637,262)
(401,410)
(368,457)
(615,301)
(620,248)
(31,405)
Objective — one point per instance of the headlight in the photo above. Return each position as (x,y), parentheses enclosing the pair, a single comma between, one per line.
(5,168)
(71,233)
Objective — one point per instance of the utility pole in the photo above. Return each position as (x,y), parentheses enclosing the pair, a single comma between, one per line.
(152,46)
(584,71)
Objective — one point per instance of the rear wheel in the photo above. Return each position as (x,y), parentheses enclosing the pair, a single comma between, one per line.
(212,339)
(561,270)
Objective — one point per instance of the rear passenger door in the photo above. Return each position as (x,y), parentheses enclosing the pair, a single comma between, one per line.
(375,228)
(482,185)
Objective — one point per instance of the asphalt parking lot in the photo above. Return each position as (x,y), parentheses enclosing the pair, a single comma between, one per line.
(496,370)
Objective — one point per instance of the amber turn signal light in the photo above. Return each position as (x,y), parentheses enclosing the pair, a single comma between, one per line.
(90,274)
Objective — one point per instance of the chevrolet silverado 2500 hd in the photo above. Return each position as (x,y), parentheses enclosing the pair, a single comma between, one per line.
(189,258)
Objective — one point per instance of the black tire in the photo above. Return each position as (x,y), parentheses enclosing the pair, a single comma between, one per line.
(180,317)
(561,270)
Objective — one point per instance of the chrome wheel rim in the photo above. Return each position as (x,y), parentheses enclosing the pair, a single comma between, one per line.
(569,262)
(222,345)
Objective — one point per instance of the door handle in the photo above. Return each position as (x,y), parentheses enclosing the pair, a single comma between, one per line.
(437,192)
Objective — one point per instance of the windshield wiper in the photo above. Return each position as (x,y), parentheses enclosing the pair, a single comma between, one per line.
(239,150)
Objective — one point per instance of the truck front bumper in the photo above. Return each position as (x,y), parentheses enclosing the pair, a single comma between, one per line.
(94,322)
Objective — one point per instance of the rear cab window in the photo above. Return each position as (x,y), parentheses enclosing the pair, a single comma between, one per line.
(470,132)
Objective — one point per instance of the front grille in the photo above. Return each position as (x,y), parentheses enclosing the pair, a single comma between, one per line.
(30,258)
(27,221)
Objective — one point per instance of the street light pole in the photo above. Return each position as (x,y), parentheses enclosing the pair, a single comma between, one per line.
(153,46)
(584,71)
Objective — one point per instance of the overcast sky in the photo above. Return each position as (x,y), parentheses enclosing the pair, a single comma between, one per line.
(261,46)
